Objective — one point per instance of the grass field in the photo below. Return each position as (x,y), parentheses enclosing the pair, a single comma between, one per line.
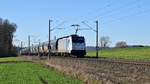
(137,53)
(22,72)
(10,59)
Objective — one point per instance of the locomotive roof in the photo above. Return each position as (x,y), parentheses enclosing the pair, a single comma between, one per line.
(73,35)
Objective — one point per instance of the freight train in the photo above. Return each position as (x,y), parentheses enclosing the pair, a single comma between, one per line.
(72,45)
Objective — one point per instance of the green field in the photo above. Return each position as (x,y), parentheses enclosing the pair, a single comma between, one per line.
(14,70)
(136,53)
(11,59)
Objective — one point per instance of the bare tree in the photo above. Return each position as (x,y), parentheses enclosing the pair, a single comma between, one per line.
(121,44)
(104,41)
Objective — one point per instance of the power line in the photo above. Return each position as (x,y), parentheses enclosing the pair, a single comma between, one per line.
(117,12)
(60,24)
(107,5)
(88,25)
(125,17)
(124,6)
(116,9)
(113,10)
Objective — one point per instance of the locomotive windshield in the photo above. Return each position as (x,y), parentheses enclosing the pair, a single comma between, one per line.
(78,40)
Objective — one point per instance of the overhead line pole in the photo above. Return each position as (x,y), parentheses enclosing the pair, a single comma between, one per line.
(39,49)
(29,44)
(21,47)
(21,44)
(96,47)
(49,43)
(97,39)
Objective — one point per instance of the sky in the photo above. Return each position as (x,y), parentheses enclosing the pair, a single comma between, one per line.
(121,20)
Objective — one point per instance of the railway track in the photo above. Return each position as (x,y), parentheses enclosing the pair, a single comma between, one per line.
(102,59)
(121,61)
(108,60)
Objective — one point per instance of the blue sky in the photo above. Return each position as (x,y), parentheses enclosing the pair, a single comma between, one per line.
(121,20)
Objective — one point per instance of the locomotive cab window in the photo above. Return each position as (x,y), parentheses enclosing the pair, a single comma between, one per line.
(78,40)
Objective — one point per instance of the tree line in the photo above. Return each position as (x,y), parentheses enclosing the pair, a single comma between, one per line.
(7,30)
(105,42)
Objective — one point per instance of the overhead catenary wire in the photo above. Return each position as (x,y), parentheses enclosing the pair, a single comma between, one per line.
(90,27)
(118,8)
(107,5)
(125,17)
(117,12)
(60,24)
(109,12)
(126,5)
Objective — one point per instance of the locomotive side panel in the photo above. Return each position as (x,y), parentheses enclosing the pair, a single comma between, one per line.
(64,45)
